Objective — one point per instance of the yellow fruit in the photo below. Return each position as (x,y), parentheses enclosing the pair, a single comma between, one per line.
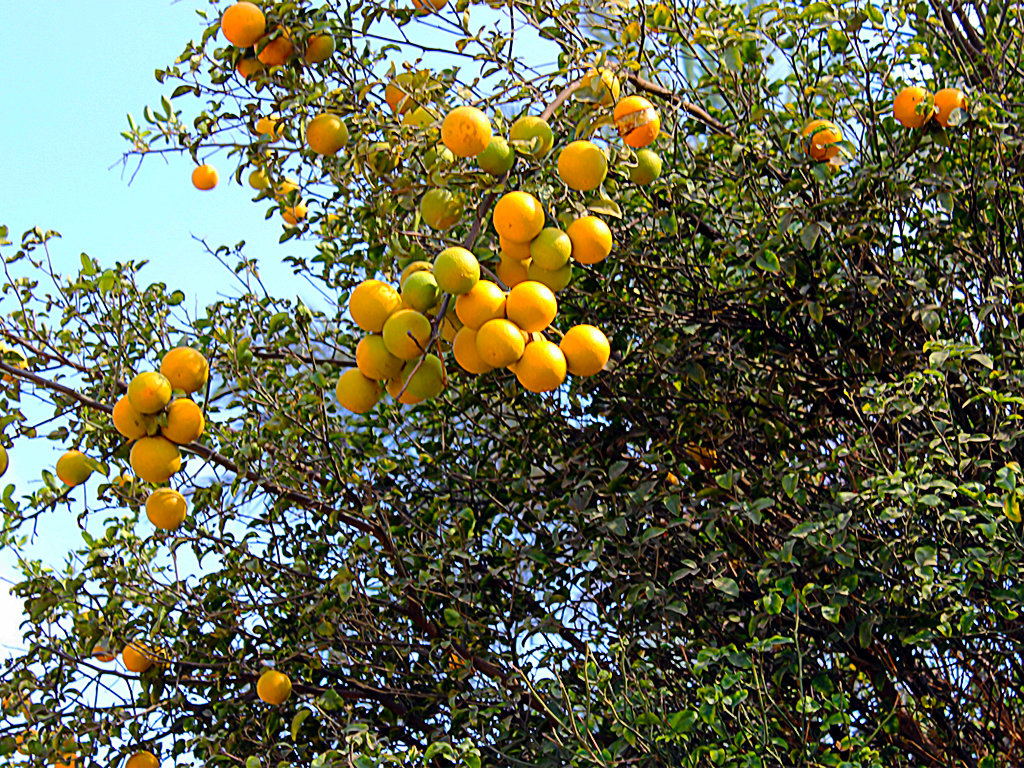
(248,68)
(395,387)
(166,508)
(285,188)
(275,52)
(149,392)
(137,657)
(513,250)
(185,421)
(356,393)
(186,369)
(371,303)
(905,107)
(542,366)
(205,177)
(582,165)
(374,361)
(259,180)
(518,216)
(456,270)
(497,158)
(73,469)
(427,381)
(600,87)
(531,306)
(4,461)
(586,350)
(947,100)
(420,117)
(396,93)
(129,422)
(319,48)
(556,279)
(484,301)
(294,214)
(102,654)
(270,126)
(550,249)
(500,343)
(450,326)
(466,353)
(420,291)
(326,134)
(511,271)
(243,24)
(466,131)
(143,759)
(406,334)
(273,687)
(532,135)
(647,168)
(591,240)
(820,137)
(637,121)
(441,209)
(155,459)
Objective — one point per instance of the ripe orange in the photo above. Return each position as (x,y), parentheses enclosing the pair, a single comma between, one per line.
(326,134)
(512,271)
(637,121)
(397,384)
(72,468)
(947,100)
(155,459)
(143,759)
(185,421)
(406,334)
(430,5)
(243,24)
(371,303)
(276,52)
(293,214)
(586,350)
(102,655)
(374,361)
(166,508)
(319,48)
(137,657)
(395,93)
(513,250)
(270,125)
(531,306)
(466,131)
(820,137)
(466,353)
(149,392)
(4,461)
(542,366)
(591,240)
(185,368)
(357,393)
(248,68)
(905,107)
(273,687)
(582,165)
(205,177)
(518,216)
(128,421)
(484,301)
(500,343)
(456,270)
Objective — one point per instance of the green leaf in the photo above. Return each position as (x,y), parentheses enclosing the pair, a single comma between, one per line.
(452,617)
(726,585)
(297,722)
(809,235)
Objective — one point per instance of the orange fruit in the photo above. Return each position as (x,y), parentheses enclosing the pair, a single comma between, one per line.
(103,655)
(533,136)
(395,93)
(273,687)
(205,177)
(293,214)
(395,387)
(586,350)
(555,279)
(4,461)
(128,421)
(500,343)
(319,48)
(582,165)
(542,366)
(374,361)
(371,303)
(166,508)
(601,87)
(905,107)
(947,100)
(466,353)
(550,249)
(820,137)
(185,368)
(155,459)
(243,24)
(591,240)
(143,759)
(356,393)
(285,188)
(518,216)
(406,334)
(456,270)
(430,5)
(512,271)
(270,125)
(276,52)
(149,392)
(326,134)
(466,131)
(513,250)
(72,468)
(637,121)
(248,68)
(185,421)
(137,657)
(531,306)
(484,301)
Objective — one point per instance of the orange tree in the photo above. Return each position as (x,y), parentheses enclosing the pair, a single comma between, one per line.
(780,527)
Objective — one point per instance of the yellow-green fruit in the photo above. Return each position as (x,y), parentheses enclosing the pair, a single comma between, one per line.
(532,135)
(374,361)
(149,392)
(420,117)
(371,303)
(500,343)
(542,367)
(600,88)
(406,334)
(586,350)
(498,158)
(273,687)
(326,134)
(258,179)
(550,249)
(428,380)
(456,270)
(73,468)
(466,353)
(382,158)
(414,266)
(155,459)
(441,209)
(582,165)
(484,301)
(319,48)
(420,291)
(4,461)
(395,387)
(647,168)
(166,508)
(357,393)
(556,279)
